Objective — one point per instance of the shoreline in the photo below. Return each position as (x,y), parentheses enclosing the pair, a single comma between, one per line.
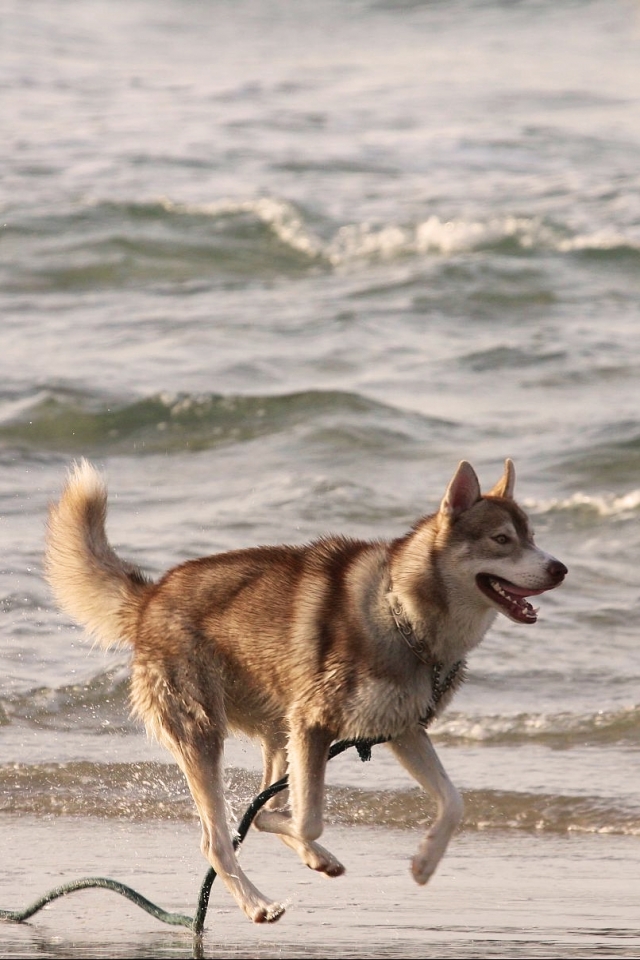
(495,895)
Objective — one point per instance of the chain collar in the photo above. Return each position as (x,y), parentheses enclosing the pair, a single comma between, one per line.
(441,682)
(439,686)
(417,646)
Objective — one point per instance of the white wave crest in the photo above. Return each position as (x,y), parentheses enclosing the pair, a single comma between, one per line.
(599,240)
(602,505)
(356,241)
(279,216)
(605,724)
(366,241)
(434,235)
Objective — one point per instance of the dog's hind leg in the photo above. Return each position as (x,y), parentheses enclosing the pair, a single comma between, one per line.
(415,752)
(274,818)
(202,765)
(184,709)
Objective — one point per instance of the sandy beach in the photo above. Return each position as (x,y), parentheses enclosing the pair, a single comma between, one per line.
(524,896)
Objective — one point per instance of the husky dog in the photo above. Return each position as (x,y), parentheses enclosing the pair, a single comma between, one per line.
(301,646)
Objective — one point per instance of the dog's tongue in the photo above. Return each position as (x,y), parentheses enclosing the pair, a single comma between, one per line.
(511,599)
(515,591)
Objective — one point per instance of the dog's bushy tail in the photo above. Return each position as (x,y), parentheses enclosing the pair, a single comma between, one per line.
(89,581)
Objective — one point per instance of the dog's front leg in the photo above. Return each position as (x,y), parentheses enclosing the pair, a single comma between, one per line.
(415,752)
(308,752)
(275,819)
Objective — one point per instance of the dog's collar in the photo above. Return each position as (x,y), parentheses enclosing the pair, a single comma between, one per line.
(441,685)
(418,646)
(441,682)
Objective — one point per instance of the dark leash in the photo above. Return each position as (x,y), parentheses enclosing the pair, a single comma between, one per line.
(196,923)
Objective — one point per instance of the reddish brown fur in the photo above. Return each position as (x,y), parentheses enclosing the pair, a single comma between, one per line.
(299,645)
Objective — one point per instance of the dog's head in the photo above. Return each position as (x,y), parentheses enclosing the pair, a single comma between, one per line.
(492,541)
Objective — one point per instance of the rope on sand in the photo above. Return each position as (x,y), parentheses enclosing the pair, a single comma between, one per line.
(195,923)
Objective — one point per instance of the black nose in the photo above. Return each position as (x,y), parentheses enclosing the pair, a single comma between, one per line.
(557,571)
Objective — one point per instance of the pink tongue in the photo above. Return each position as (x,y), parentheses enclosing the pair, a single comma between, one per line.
(519,591)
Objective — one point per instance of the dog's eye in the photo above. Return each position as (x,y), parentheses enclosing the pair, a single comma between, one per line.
(501,538)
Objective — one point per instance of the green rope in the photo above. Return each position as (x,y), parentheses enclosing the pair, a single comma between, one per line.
(19,916)
(195,923)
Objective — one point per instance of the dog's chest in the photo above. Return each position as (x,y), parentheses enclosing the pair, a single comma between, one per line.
(382,707)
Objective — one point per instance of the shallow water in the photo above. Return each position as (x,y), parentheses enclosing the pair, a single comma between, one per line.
(277,268)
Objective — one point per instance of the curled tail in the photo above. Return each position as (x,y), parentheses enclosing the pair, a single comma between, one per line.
(89,581)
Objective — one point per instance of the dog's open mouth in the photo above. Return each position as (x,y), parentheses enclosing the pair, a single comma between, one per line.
(509,598)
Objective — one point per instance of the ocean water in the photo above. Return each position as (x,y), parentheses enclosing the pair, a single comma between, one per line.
(276,268)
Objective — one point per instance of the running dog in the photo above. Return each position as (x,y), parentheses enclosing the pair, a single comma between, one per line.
(301,646)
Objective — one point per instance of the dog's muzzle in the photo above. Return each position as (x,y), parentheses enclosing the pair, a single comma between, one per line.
(511,599)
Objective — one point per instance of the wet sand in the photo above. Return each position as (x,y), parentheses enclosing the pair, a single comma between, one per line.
(495,895)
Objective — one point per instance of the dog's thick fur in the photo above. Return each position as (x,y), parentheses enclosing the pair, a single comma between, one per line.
(301,646)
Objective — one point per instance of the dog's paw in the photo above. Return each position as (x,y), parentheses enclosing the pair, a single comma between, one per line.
(422,868)
(319,859)
(332,868)
(268,913)
(430,853)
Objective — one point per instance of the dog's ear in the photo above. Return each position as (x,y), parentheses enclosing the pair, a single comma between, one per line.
(506,485)
(463,491)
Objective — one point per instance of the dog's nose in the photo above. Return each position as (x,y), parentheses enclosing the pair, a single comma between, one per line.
(557,571)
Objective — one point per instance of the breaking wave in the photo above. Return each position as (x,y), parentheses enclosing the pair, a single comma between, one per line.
(156,791)
(162,241)
(364,241)
(590,505)
(562,730)
(71,421)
